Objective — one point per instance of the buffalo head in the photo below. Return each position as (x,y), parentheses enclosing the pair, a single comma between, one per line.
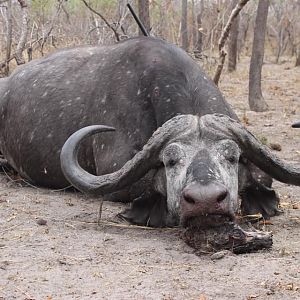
(197,163)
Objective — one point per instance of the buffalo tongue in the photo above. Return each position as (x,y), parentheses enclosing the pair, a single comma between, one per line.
(230,236)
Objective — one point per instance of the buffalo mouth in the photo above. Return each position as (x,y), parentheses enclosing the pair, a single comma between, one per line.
(207,221)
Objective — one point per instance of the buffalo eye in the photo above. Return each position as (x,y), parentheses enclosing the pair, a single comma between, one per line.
(172,155)
(231,151)
(232,159)
(172,162)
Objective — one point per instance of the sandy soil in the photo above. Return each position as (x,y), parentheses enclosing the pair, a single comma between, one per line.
(71,257)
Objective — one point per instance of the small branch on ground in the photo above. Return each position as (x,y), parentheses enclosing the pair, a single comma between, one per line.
(223,38)
(100,212)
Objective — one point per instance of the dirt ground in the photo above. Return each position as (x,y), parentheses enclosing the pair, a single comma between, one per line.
(71,257)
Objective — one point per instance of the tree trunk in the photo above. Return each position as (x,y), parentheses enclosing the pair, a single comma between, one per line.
(8,36)
(184,30)
(23,38)
(279,45)
(144,14)
(256,100)
(199,41)
(232,41)
(161,29)
(194,29)
(298,59)
(224,35)
(243,31)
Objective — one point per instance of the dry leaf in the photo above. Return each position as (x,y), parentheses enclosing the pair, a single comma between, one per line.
(284,205)
(202,297)
(245,119)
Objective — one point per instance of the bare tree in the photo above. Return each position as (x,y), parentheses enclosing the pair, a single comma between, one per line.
(256,100)
(144,14)
(8,36)
(24,30)
(198,43)
(194,21)
(298,59)
(244,25)
(184,29)
(296,37)
(224,36)
(112,27)
(232,41)
(162,27)
(60,23)
(280,27)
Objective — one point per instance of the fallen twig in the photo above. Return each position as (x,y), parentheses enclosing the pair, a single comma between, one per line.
(10,228)
(28,296)
(100,212)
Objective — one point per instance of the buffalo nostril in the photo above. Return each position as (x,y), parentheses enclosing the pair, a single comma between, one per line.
(222,196)
(189,199)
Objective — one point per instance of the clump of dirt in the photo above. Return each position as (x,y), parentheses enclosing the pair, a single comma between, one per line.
(229,236)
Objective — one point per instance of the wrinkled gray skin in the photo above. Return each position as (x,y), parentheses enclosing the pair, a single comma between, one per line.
(201,182)
(134,86)
(201,177)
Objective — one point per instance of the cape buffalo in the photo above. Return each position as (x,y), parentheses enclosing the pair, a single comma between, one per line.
(192,166)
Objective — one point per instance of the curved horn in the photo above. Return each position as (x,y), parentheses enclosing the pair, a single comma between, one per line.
(296,125)
(133,170)
(255,151)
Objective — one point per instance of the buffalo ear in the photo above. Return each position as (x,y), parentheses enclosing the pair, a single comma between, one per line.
(255,191)
(223,127)
(257,198)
